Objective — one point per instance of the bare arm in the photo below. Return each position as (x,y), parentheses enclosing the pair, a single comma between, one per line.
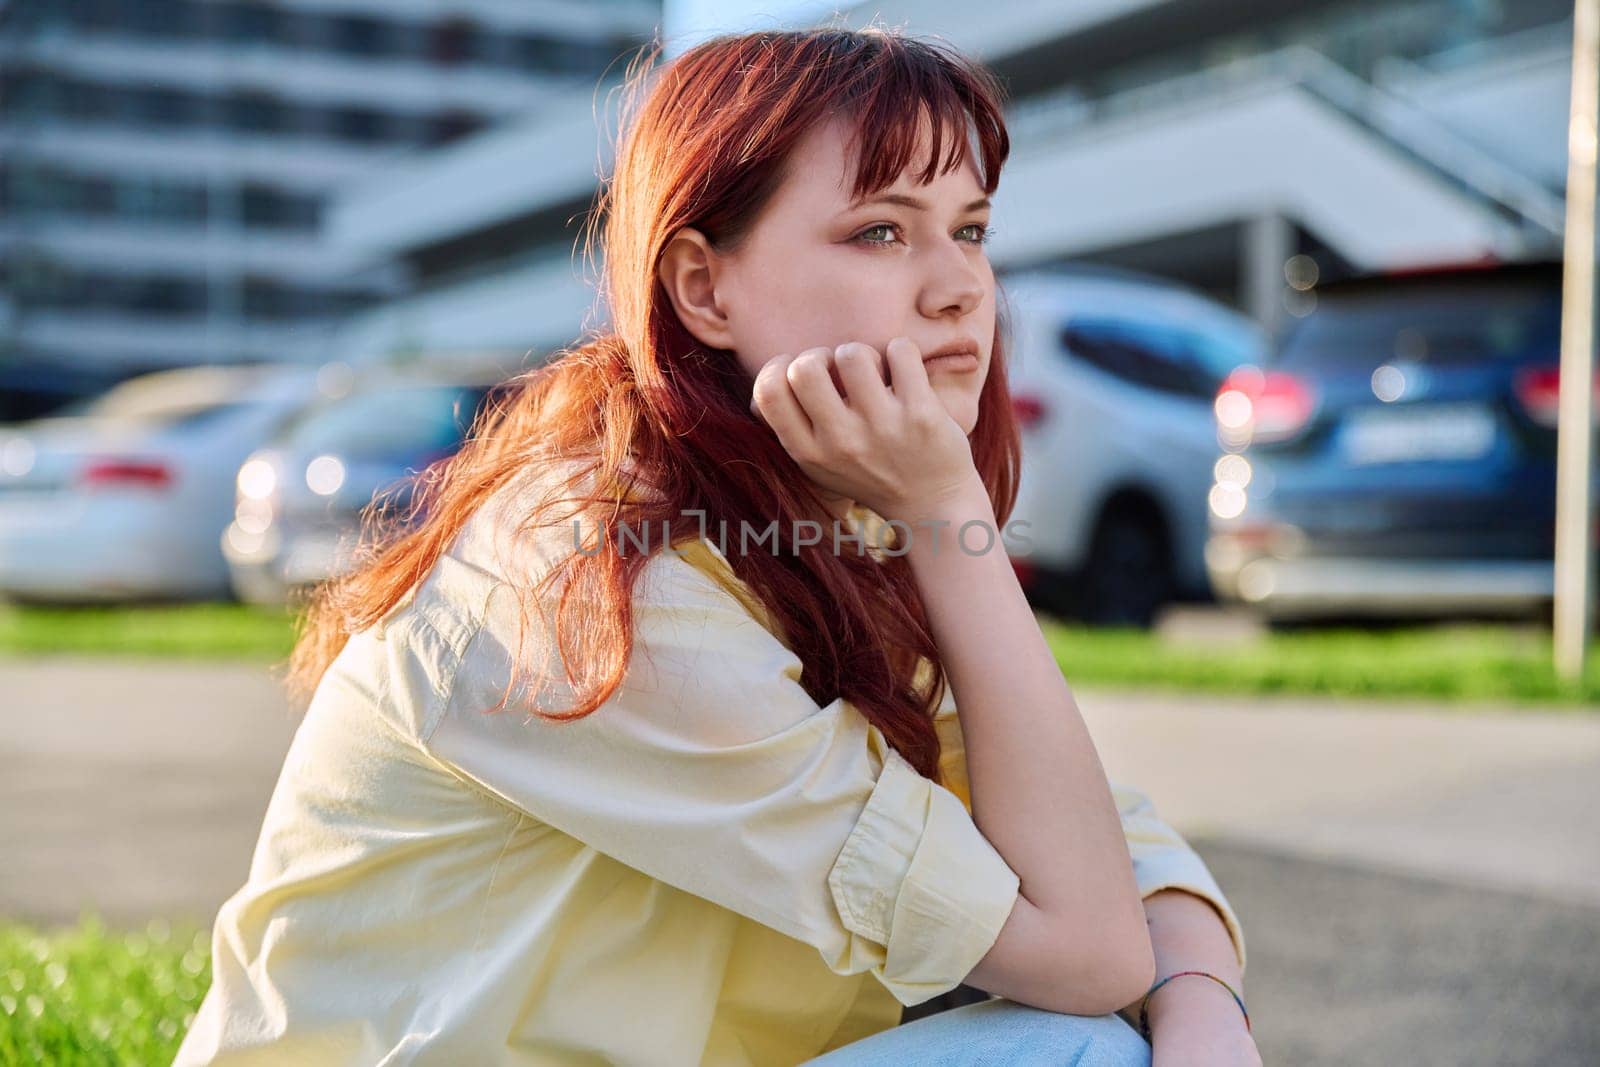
(1077,940)
(1189,935)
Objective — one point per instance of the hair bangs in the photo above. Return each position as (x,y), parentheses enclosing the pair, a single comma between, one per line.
(907,98)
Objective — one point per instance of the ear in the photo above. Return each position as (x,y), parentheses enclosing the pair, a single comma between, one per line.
(689,269)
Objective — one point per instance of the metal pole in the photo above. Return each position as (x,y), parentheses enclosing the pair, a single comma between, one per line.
(1575,428)
(1268,243)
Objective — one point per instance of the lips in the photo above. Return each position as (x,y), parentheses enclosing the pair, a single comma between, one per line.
(954,348)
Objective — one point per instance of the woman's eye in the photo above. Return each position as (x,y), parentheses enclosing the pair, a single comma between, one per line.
(979,233)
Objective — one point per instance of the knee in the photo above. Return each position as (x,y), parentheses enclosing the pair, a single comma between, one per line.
(999,1032)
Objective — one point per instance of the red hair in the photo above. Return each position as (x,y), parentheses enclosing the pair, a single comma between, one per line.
(707,148)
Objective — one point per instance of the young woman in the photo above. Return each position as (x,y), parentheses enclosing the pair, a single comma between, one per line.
(613,759)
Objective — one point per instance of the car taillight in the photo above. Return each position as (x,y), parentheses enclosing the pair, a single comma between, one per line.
(1252,405)
(126,474)
(1029,409)
(1539,392)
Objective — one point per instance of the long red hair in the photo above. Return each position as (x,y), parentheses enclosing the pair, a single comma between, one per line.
(705,141)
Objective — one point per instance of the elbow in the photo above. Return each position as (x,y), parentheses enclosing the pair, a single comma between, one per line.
(1134,974)
(1072,968)
(1117,975)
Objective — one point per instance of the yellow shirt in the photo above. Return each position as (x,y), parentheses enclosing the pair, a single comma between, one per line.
(709,869)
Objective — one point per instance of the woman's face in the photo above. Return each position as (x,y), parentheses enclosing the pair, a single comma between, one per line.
(817,269)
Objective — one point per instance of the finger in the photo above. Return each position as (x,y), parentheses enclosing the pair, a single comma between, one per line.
(907,373)
(774,401)
(861,368)
(810,375)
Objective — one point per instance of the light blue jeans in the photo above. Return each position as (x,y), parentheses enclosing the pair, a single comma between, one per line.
(997,1033)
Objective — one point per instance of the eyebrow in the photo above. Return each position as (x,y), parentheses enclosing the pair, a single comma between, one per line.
(917,205)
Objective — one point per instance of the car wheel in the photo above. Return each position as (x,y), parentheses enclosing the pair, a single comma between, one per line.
(1053,592)
(1129,574)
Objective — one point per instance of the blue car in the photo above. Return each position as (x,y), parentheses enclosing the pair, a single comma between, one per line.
(1397,456)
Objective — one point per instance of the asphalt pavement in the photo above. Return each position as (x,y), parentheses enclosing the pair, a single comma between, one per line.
(1418,885)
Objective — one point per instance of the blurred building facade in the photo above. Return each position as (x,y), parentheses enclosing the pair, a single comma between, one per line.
(164,164)
(1214,141)
(1211,141)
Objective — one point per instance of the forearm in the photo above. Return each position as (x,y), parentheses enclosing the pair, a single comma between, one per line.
(1038,791)
(1187,934)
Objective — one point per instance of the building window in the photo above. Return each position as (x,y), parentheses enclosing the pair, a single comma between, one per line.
(266,208)
(411,129)
(153,200)
(540,55)
(103,14)
(255,112)
(564,56)
(160,18)
(168,107)
(266,299)
(39,282)
(455,41)
(304,30)
(360,124)
(31,16)
(452,125)
(29,94)
(252,23)
(409,41)
(166,296)
(357,35)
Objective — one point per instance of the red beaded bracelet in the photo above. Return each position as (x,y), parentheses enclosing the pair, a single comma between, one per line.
(1144,1005)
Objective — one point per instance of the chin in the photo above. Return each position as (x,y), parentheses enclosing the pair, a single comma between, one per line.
(964,411)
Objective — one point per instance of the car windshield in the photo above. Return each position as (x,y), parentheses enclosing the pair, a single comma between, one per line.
(391,423)
(1440,322)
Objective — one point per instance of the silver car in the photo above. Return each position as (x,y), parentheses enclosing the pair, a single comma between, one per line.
(299,500)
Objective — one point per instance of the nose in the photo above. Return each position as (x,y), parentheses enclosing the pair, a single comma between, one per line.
(953,287)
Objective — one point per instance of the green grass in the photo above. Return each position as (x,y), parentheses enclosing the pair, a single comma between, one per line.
(1479,664)
(88,995)
(186,631)
(1487,665)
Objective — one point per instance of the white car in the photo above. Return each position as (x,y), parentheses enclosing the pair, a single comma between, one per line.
(1112,377)
(125,497)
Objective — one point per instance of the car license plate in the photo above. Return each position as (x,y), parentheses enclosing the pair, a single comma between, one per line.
(1410,435)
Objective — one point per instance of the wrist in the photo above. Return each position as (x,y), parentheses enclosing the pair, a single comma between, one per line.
(945,509)
(945,500)
(1191,999)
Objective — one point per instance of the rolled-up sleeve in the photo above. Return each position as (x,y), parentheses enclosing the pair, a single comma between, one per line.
(912,873)
(1162,859)
(712,769)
